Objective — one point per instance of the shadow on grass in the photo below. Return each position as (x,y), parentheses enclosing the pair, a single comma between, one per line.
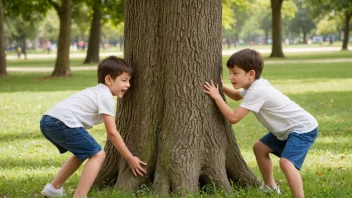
(38,82)
(49,62)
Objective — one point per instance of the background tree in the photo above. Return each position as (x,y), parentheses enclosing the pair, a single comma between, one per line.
(62,64)
(23,17)
(339,7)
(48,29)
(174,48)
(303,21)
(103,11)
(234,14)
(288,11)
(94,35)
(276,49)
(329,24)
(23,29)
(81,21)
(3,71)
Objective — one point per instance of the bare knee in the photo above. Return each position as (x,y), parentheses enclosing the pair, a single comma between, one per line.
(285,164)
(101,156)
(260,149)
(256,147)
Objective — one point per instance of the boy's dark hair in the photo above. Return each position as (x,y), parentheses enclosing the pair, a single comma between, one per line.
(114,67)
(247,59)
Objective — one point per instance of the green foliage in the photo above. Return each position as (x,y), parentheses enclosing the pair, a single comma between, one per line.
(22,18)
(332,10)
(303,21)
(233,14)
(26,8)
(49,26)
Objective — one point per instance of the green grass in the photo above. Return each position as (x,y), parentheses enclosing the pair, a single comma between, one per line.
(28,161)
(49,62)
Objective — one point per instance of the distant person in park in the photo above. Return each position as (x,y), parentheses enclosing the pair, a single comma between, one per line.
(291,129)
(19,51)
(65,124)
(331,39)
(48,46)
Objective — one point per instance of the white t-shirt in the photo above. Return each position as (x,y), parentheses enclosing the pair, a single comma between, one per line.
(85,108)
(275,111)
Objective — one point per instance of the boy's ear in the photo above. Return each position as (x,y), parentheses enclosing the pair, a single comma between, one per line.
(252,73)
(108,80)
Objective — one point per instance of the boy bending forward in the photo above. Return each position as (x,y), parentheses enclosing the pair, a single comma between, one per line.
(292,130)
(65,124)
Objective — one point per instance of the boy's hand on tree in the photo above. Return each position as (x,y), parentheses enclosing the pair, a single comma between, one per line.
(212,90)
(135,165)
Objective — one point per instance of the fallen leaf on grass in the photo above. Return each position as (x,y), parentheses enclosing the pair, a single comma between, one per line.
(319,173)
(340,168)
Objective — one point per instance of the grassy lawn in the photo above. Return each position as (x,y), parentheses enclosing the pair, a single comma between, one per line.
(49,62)
(28,161)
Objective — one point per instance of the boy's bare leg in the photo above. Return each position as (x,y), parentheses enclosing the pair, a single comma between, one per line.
(261,152)
(293,177)
(89,174)
(67,169)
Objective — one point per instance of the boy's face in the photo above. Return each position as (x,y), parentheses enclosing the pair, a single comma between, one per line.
(240,78)
(118,86)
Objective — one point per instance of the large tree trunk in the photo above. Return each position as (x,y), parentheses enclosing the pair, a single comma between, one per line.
(62,64)
(3,71)
(276,49)
(94,36)
(165,118)
(346,34)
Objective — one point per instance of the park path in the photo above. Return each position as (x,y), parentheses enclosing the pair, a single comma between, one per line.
(225,52)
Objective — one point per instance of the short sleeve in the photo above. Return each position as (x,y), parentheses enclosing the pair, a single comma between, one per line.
(243,93)
(106,105)
(252,101)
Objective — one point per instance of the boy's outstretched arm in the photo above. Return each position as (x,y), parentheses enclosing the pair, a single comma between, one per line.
(234,94)
(231,93)
(116,139)
(231,115)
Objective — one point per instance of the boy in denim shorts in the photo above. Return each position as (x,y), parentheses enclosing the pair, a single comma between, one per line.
(65,124)
(292,130)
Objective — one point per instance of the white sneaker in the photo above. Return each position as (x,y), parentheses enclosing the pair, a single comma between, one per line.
(50,191)
(265,188)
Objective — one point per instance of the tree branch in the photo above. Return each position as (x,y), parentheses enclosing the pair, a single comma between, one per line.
(55,5)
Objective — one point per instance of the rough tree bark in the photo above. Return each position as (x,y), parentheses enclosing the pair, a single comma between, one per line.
(346,33)
(62,64)
(165,118)
(276,48)
(3,71)
(94,35)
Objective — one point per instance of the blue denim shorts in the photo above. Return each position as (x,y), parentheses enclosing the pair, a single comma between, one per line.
(76,140)
(294,148)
